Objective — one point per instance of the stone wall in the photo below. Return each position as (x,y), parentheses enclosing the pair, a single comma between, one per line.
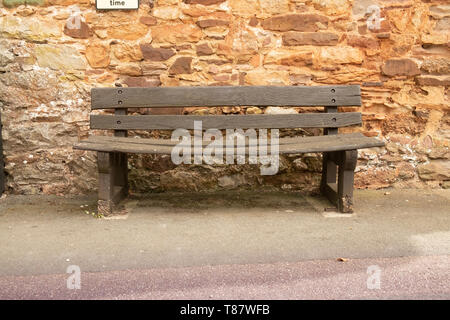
(48,66)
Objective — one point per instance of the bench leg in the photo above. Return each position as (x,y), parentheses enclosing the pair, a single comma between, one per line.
(113,184)
(329,171)
(342,163)
(121,171)
(345,180)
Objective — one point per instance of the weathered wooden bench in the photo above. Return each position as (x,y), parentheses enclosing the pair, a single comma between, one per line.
(339,150)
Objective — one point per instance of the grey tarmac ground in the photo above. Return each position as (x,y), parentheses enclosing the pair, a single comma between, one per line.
(228,245)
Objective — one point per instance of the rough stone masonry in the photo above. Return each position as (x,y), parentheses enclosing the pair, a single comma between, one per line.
(52,52)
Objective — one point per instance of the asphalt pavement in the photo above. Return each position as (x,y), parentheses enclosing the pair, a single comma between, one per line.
(229,245)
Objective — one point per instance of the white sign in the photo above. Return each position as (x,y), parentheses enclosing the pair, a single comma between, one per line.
(117,4)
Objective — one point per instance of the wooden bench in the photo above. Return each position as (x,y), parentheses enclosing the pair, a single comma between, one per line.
(339,150)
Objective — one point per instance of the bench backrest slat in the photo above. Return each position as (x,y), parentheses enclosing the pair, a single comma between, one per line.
(302,120)
(113,98)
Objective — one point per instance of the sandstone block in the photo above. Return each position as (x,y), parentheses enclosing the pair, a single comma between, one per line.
(295,22)
(181,65)
(208,23)
(293,38)
(400,67)
(333,7)
(148,20)
(129,69)
(78,31)
(433,80)
(204,49)
(153,68)
(176,33)
(340,55)
(254,110)
(289,57)
(435,170)
(141,82)
(280,110)
(244,8)
(156,54)
(362,42)
(436,65)
(436,38)
(127,52)
(271,7)
(131,31)
(440,11)
(31,29)
(261,77)
(59,57)
(98,55)
(443,24)
(167,12)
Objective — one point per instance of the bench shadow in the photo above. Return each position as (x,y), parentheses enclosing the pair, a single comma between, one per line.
(233,199)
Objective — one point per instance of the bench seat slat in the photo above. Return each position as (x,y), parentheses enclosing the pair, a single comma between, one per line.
(302,120)
(295,145)
(344,95)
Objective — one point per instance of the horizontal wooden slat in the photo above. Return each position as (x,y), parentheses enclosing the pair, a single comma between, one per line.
(168,142)
(286,145)
(302,120)
(106,98)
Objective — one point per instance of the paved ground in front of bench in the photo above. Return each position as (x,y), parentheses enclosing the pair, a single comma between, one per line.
(43,235)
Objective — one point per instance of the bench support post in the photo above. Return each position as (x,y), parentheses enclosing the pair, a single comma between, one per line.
(113,184)
(329,170)
(340,193)
(345,180)
(121,178)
